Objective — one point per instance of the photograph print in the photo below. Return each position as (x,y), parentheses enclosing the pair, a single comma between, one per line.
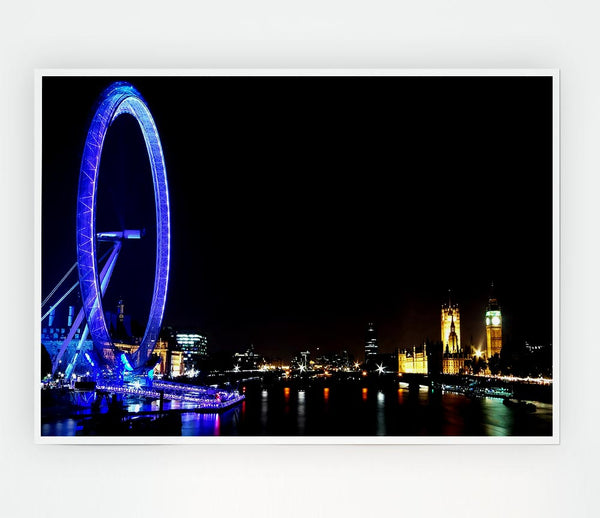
(297,256)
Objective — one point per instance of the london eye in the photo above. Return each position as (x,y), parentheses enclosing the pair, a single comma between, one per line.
(118,99)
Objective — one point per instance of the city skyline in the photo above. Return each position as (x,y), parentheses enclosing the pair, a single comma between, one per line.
(276,242)
(372,339)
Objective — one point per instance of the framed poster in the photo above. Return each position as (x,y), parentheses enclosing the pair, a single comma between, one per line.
(297,256)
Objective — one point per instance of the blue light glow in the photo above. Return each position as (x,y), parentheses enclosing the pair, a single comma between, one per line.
(89,359)
(202,397)
(126,363)
(118,99)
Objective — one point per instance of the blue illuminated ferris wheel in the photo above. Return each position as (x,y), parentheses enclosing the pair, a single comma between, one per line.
(118,99)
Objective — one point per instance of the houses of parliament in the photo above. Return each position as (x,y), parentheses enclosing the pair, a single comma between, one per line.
(456,356)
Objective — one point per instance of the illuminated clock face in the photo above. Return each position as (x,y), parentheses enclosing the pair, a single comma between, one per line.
(487,321)
(496,321)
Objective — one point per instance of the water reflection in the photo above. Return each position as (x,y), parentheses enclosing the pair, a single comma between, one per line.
(63,427)
(193,424)
(400,396)
(286,396)
(263,409)
(453,422)
(498,419)
(301,411)
(347,410)
(380,413)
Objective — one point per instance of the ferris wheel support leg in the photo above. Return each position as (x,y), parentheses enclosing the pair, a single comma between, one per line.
(58,359)
(83,338)
(105,275)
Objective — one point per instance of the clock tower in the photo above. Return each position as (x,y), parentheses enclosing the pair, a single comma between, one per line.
(493,327)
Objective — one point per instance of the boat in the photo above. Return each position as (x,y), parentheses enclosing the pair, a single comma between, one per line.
(474,390)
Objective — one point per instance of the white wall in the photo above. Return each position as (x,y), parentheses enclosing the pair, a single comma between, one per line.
(40,481)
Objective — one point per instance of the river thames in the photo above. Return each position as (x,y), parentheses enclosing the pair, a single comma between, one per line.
(345,411)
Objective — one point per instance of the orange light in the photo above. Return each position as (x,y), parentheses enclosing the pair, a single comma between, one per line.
(364,393)
(326,393)
(364,373)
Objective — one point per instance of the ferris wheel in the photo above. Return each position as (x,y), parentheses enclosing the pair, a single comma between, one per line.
(118,99)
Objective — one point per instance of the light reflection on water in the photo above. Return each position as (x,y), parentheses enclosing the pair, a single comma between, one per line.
(497,418)
(301,411)
(348,411)
(193,424)
(263,408)
(380,413)
(64,427)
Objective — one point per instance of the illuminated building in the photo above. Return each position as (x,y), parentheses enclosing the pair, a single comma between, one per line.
(57,331)
(450,320)
(493,327)
(301,360)
(194,348)
(332,361)
(51,317)
(452,346)
(414,362)
(453,364)
(171,361)
(71,316)
(248,360)
(530,348)
(453,358)
(371,347)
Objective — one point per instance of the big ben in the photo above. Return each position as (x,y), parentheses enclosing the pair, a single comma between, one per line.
(493,327)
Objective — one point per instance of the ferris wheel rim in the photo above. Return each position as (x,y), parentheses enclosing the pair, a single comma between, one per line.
(118,99)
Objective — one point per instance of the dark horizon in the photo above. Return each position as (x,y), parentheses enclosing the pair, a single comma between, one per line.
(304,208)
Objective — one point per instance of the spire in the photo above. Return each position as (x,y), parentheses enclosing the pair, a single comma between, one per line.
(492,301)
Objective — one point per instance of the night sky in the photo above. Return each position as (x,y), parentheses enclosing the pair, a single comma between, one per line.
(304,207)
